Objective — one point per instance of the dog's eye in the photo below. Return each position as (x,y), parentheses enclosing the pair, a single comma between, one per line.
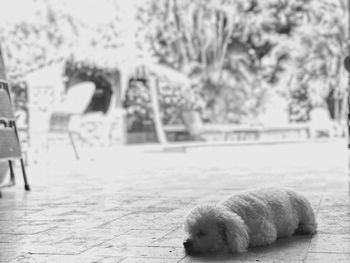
(200,234)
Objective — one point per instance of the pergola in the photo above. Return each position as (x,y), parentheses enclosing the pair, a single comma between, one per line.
(122,67)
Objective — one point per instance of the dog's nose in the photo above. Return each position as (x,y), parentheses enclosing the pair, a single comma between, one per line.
(188,245)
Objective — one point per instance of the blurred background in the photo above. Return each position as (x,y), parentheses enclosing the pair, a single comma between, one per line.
(132,112)
(112,73)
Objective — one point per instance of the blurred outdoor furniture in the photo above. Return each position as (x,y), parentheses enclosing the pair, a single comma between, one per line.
(10,148)
(65,118)
(321,124)
(231,132)
(23,131)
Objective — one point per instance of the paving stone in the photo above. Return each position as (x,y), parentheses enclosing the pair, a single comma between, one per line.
(154,252)
(177,233)
(233,259)
(110,260)
(293,249)
(215,258)
(51,249)
(149,260)
(25,227)
(169,242)
(330,243)
(30,258)
(103,250)
(333,227)
(334,219)
(8,256)
(136,238)
(139,220)
(133,211)
(9,238)
(327,257)
(174,238)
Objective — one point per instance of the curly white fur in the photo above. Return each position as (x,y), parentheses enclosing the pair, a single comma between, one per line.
(248,219)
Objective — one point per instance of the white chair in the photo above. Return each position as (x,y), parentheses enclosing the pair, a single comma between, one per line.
(65,117)
(321,124)
(77,98)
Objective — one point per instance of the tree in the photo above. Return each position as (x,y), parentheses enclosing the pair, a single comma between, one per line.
(241,50)
(324,41)
(224,45)
(45,35)
(194,37)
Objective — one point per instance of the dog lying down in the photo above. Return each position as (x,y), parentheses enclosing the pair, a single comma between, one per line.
(248,219)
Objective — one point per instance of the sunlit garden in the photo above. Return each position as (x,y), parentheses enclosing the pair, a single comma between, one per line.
(175,71)
(123,115)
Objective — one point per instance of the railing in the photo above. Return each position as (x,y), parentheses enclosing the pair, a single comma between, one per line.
(241,133)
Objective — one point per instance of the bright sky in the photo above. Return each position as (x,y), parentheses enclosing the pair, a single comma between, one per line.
(91,11)
(15,10)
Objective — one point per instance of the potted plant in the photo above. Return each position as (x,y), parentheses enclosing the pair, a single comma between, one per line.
(191,106)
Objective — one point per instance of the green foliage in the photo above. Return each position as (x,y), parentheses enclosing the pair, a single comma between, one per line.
(138,100)
(241,50)
(300,105)
(323,40)
(86,71)
(307,59)
(37,40)
(235,51)
(174,99)
(224,45)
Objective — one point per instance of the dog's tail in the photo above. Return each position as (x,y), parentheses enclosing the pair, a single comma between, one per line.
(307,217)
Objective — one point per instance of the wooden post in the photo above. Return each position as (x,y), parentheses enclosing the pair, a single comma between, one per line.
(115,121)
(154,85)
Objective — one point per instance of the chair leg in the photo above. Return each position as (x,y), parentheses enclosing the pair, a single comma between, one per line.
(73,145)
(12,173)
(26,185)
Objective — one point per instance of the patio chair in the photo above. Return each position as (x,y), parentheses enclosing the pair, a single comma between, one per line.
(10,148)
(65,118)
(321,124)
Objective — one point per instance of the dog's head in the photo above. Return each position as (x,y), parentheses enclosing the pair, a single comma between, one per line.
(213,228)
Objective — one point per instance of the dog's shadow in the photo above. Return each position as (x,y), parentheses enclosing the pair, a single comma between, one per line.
(292,249)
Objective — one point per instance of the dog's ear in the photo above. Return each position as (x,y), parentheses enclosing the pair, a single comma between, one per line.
(234,231)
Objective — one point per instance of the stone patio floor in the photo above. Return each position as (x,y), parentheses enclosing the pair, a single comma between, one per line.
(128,205)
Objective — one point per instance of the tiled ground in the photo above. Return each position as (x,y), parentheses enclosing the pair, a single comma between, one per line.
(128,206)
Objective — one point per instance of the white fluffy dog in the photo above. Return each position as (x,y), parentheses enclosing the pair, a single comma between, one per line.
(251,218)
